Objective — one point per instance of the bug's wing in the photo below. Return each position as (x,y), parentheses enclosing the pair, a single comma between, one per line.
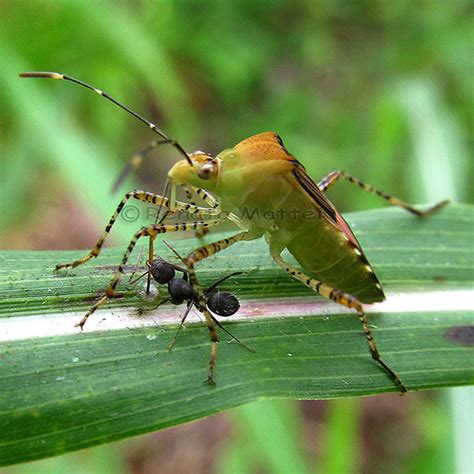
(327,209)
(269,147)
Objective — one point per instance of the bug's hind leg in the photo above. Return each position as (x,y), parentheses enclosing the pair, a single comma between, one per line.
(334,176)
(350,302)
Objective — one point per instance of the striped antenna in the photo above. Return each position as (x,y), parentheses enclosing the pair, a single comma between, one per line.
(151,125)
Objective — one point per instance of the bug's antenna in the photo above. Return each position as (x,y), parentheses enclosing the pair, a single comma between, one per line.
(155,128)
(166,189)
(134,163)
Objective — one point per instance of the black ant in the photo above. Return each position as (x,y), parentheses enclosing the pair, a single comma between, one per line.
(221,303)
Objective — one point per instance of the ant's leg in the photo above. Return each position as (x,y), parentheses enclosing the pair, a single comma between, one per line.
(183,319)
(332,177)
(221,280)
(236,339)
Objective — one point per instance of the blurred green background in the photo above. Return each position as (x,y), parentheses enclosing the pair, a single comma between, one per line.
(382,90)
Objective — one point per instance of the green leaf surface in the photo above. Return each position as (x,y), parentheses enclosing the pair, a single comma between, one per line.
(69,390)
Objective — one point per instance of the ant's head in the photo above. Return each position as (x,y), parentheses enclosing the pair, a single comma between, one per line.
(161,270)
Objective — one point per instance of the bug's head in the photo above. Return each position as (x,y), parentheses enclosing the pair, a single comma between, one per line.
(202,173)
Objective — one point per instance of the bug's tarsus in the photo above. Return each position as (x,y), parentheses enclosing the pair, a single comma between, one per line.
(373,348)
(99,303)
(151,125)
(434,208)
(334,176)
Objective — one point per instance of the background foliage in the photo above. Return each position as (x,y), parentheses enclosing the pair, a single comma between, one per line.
(380,89)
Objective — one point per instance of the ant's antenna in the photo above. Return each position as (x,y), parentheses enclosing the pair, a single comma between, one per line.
(155,128)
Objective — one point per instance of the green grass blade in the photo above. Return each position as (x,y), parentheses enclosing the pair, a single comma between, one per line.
(341,443)
(67,390)
(273,429)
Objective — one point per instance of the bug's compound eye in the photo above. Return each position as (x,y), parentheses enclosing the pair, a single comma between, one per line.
(207,170)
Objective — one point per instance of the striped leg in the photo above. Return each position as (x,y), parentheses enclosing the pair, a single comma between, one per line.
(348,301)
(191,260)
(213,203)
(210,200)
(151,231)
(332,177)
(210,249)
(192,193)
(144,196)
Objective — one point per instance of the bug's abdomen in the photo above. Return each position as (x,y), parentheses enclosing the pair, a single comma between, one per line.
(327,255)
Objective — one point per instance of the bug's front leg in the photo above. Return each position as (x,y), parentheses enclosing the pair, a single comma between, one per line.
(350,302)
(143,196)
(151,231)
